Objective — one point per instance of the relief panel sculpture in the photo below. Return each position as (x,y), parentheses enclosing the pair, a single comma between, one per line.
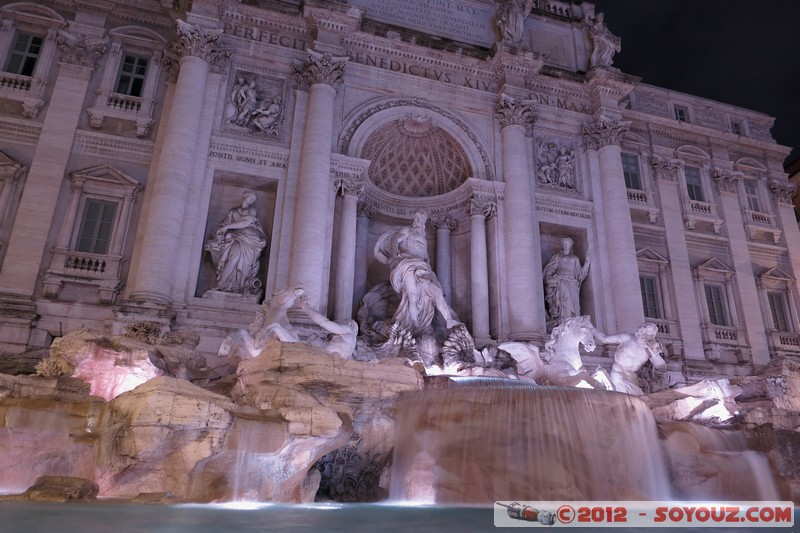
(255,104)
(555,164)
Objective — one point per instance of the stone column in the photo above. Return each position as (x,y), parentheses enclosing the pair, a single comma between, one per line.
(728,186)
(605,137)
(523,263)
(161,231)
(321,73)
(346,260)
(40,196)
(444,264)
(362,253)
(479,269)
(666,174)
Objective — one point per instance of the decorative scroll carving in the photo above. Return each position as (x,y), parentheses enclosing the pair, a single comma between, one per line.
(555,164)
(665,169)
(513,112)
(483,208)
(79,50)
(782,192)
(202,43)
(446,221)
(604,132)
(320,68)
(347,187)
(727,181)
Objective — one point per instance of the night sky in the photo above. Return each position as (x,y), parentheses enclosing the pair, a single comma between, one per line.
(744,53)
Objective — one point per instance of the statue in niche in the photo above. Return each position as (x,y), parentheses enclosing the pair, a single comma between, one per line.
(244,97)
(555,165)
(271,322)
(633,351)
(267,116)
(605,44)
(563,276)
(342,336)
(236,246)
(510,19)
(405,250)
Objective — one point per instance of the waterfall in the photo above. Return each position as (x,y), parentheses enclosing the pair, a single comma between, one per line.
(479,441)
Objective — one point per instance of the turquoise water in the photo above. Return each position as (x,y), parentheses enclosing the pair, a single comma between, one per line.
(123,518)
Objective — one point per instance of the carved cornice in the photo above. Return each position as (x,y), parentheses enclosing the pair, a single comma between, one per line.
(604,132)
(203,43)
(444,222)
(727,181)
(513,112)
(320,68)
(782,192)
(666,169)
(80,51)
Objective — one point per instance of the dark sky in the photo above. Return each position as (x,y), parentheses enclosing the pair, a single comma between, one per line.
(740,52)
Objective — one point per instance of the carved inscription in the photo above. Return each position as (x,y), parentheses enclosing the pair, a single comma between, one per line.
(256,34)
(463,21)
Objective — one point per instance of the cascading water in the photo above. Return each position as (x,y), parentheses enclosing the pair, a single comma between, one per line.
(487,440)
(708,463)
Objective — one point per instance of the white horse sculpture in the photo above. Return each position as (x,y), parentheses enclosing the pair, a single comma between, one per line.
(561,365)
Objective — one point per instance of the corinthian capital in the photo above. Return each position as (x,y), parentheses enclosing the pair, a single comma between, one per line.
(202,43)
(604,132)
(726,180)
(481,208)
(346,187)
(79,50)
(666,169)
(782,191)
(320,68)
(513,112)
(445,222)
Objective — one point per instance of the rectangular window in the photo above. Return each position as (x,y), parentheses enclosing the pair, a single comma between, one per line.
(650,296)
(716,305)
(693,184)
(681,114)
(26,52)
(777,305)
(96,225)
(630,169)
(751,192)
(736,127)
(132,73)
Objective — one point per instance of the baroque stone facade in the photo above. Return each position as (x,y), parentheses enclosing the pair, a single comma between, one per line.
(127,136)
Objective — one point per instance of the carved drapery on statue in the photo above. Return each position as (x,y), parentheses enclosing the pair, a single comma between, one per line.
(510,19)
(236,246)
(563,276)
(604,43)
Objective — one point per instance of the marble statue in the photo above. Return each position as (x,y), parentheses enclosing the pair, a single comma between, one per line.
(510,19)
(605,43)
(563,276)
(341,340)
(244,97)
(267,116)
(405,250)
(271,322)
(632,352)
(561,364)
(236,247)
